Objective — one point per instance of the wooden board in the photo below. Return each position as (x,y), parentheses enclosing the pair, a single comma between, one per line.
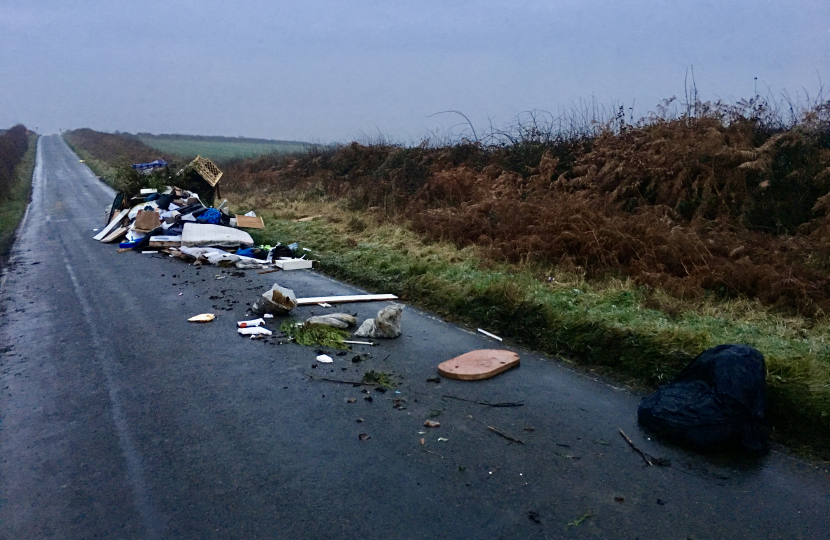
(477,365)
(248,222)
(344,299)
(116,206)
(115,235)
(112,226)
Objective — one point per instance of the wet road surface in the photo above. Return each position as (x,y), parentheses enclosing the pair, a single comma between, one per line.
(122,420)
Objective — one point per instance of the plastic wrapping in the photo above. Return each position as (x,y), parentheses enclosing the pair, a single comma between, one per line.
(386,325)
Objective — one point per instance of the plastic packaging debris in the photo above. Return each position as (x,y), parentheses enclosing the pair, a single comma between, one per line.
(135,236)
(251,323)
(324,304)
(325,359)
(203,317)
(212,216)
(268,316)
(199,252)
(278,252)
(254,331)
(218,257)
(253,252)
(276,300)
(386,325)
(432,423)
(717,402)
(337,320)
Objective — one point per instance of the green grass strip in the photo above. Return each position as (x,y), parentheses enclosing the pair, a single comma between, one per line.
(601,325)
(13,207)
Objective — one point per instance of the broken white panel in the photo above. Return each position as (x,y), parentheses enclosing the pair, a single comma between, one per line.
(254,331)
(293,264)
(343,299)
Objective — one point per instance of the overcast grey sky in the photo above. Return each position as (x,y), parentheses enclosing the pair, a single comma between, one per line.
(332,70)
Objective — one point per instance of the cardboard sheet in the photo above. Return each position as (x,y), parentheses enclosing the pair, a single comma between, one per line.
(247,222)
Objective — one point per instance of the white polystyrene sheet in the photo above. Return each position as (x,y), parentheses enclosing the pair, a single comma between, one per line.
(198,234)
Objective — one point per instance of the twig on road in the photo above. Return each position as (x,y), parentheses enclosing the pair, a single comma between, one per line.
(433,453)
(353,383)
(487,403)
(505,435)
(650,460)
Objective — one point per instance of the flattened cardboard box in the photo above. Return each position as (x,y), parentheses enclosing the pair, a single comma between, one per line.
(248,222)
(146,221)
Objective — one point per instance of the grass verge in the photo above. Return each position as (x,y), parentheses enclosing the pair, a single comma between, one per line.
(611,326)
(13,208)
(100,168)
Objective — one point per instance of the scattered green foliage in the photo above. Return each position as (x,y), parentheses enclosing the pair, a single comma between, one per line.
(310,334)
(380,378)
(578,521)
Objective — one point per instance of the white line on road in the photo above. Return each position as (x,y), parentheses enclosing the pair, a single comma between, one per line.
(135,473)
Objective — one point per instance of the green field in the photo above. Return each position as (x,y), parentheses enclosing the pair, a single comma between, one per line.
(219,148)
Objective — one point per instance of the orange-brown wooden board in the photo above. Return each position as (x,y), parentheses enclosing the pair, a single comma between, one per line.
(248,222)
(477,365)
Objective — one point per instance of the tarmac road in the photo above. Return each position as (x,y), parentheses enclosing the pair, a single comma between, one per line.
(122,420)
